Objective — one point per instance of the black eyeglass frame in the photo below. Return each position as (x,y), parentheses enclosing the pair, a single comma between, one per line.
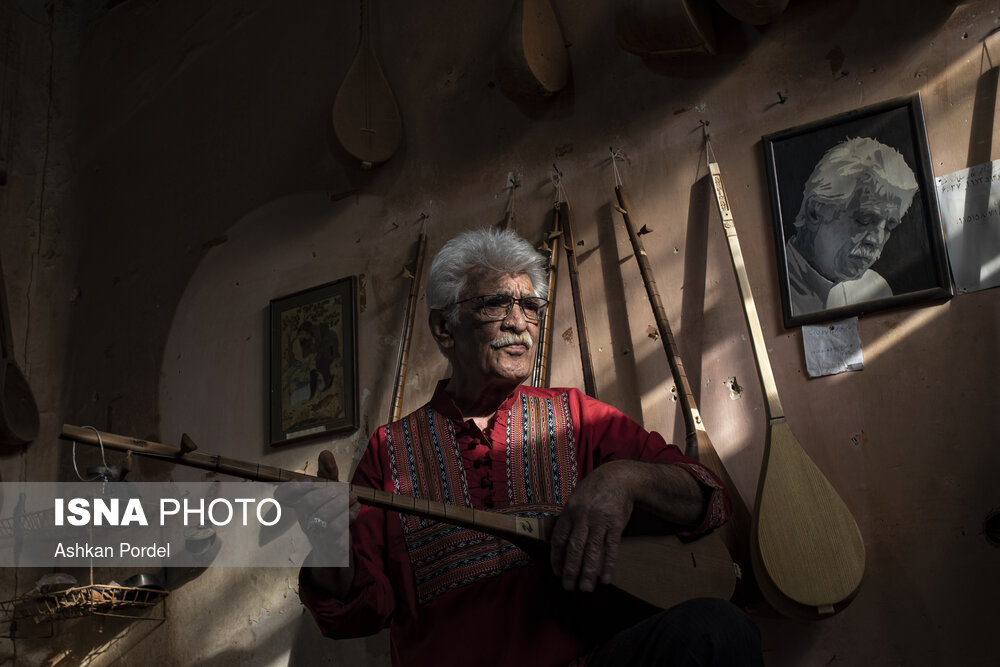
(510,306)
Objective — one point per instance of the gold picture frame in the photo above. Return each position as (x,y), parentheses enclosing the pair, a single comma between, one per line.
(313,374)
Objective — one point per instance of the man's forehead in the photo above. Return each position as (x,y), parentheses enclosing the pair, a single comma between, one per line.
(485,281)
(869,200)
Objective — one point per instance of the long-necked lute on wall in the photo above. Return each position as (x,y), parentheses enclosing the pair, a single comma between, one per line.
(550,246)
(532,59)
(660,570)
(735,531)
(573,268)
(366,118)
(805,545)
(403,354)
(509,215)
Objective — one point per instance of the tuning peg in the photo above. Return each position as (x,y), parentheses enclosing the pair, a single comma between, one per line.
(187,444)
(126,466)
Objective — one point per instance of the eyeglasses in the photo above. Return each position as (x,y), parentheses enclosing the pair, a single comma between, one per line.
(498,306)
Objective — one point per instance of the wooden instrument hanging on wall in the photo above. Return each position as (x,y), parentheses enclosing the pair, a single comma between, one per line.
(403,354)
(19,420)
(735,532)
(365,115)
(543,357)
(509,216)
(532,60)
(572,267)
(665,27)
(806,549)
(658,569)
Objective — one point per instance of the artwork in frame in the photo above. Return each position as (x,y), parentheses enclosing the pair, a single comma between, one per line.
(856,221)
(314,384)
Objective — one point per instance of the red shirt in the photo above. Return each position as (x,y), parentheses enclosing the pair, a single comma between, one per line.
(449,597)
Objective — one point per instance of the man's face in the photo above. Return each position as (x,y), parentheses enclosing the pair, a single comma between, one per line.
(479,349)
(846,246)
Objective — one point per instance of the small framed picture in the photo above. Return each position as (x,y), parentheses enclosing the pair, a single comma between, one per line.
(856,220)
(314,383)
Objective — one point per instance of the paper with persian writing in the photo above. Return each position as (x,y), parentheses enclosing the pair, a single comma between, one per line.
(969,200)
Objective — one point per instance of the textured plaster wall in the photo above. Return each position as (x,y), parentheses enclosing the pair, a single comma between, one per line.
(188,160)
(39,242)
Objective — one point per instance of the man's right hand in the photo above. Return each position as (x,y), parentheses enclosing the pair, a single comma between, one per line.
(318,506)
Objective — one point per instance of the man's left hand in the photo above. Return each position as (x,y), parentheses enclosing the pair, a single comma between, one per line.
(586,536)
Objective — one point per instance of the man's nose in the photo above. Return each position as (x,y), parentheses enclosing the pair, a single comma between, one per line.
(515,318)
(877,232)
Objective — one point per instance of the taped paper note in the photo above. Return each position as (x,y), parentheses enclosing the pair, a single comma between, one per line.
(970,209)
(833,348)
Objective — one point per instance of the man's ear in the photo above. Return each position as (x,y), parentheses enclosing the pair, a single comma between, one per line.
(815,215)
(441,330)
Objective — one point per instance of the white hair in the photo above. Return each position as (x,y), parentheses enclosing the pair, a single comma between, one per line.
(491,249)
(861,162)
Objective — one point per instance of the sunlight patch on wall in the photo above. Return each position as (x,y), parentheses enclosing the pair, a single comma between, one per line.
(917,320)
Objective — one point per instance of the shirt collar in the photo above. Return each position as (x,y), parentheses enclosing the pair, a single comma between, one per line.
(802,270)
(443,403)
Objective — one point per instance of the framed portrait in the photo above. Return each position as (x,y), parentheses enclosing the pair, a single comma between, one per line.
(314,383)
(856,220)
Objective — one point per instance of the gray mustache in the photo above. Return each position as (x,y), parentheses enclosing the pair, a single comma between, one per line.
(866,252)
(503,340)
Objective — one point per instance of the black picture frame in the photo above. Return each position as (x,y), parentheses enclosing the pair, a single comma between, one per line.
(913,261)
(313,362)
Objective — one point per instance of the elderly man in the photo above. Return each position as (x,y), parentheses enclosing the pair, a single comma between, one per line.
(857,194)
(454,596)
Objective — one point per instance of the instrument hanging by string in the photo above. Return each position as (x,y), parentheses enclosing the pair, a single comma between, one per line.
(807,553)
(660,570)
(532,61)
(403,354)
(366,117)
(549,246)
(509,217)
(698,444)
(665,27)
(569,244)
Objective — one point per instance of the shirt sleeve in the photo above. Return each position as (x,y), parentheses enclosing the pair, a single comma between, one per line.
(607,434)
(370,601)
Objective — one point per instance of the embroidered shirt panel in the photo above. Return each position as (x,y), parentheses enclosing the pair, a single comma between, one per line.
(425,462)
(541,452)
(432,471)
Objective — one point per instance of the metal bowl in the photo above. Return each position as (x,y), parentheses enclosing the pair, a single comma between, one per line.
(145,580)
